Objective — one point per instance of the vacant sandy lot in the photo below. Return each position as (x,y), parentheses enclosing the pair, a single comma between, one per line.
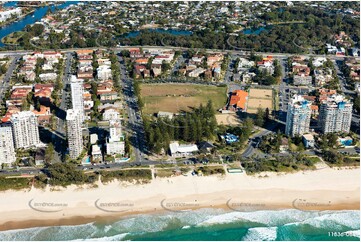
(262,103)
(228,119)
(259,98)
(260,93)
(175,97)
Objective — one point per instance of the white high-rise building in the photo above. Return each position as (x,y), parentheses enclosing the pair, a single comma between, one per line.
(74,132)
(111,114)
(77,90)
(6,14)
(335,114)
(115,143)
(298,116)
(7,149)
(25,129)
(104,72)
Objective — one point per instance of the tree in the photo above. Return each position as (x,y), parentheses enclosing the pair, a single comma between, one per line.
(125,53)
(260,117)
(36,29)
(278,70)
(3,69)
(266,114)
(64,174)
(165,66)
(37,104)
(269,80)
(356,104)
(127,148)
(248,126)
(39,64)
(332,139)
(49,153)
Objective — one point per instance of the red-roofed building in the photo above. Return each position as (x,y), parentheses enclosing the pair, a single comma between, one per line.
(324,93)
(238,100)
(141,61)
(38,87)
(314,110)
(43,115)
(135,53)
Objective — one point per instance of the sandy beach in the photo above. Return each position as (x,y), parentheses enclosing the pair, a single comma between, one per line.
(326,189)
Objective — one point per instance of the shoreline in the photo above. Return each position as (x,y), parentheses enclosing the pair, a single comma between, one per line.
(327,189)
(100,219)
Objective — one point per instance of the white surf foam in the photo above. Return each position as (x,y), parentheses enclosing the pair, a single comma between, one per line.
(268,217)
(261,234)
(335,220)
(159,222)
(186,227)
(116,237)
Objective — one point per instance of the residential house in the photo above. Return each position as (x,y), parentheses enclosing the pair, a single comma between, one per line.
(162,114)
(266,65)
(111,114)
(48,76)
(205,147)
(40,156)
(196,72)
(284,144)
(135,53)
(308,141)
(97,153)
(141,61)
(43,115)
(182,150)
(302,80)
(213,58)
(322,76)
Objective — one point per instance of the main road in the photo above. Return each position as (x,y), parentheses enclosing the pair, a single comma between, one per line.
(59,142)
(135,122)
(235,52)
(6,80)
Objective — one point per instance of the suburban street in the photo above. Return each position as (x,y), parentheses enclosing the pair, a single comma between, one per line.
(255,139)
(4,85)
(60,137)
(134,116)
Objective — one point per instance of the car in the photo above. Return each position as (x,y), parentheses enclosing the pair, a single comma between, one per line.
(102,167)
(108,166)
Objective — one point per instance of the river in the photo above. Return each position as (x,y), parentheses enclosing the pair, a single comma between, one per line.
(29,19)
(256,31)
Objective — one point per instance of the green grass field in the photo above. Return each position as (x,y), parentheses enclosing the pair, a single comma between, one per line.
(13,37)
(177,97)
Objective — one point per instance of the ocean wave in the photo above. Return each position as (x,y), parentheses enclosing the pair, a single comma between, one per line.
(258,225)
(116,237)
(160,222)
(66,232)
(265,217)
(261,234)
(335,220)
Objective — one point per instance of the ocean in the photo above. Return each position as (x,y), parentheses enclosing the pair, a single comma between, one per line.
(208,224)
